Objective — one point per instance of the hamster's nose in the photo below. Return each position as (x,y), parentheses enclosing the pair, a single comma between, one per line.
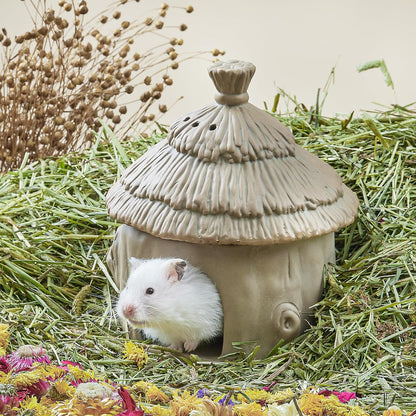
(128,310)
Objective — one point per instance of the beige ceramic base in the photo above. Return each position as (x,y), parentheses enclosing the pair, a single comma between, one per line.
(267,291)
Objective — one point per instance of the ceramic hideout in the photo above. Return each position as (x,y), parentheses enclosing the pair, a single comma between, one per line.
(230,191)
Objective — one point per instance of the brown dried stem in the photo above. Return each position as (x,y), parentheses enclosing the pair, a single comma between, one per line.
(60,78)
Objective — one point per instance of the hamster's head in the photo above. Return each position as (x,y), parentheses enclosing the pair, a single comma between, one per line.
(149,295)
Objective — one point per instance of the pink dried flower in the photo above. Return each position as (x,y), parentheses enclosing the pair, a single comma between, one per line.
(4,365)
(24,357)
(39,389)
(343,396)
(10,397)
(129,404)
(66,363)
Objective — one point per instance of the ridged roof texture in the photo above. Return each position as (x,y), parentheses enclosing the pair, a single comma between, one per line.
(230,173)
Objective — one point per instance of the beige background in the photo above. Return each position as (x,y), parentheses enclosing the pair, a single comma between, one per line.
(294,45)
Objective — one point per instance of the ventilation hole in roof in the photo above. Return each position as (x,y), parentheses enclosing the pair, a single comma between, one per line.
(186,118)
(212,126)
(195,124)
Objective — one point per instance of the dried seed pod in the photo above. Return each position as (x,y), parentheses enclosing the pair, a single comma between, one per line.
(158,87)
(183,27)
(69,42)
(45,140)
(147,80)
(145,97)
(57,135)
(116,119)
(116,14)
(103,19)
(49,16)
(159,24)
(163,108)
(189,9)
(148,21)
(69,126)
(59,120)
(43,30)
(125,24)
(123,109)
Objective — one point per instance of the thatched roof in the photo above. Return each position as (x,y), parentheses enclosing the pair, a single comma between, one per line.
(231,174)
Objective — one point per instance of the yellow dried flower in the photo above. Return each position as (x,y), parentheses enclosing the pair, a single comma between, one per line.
(79,373)
(184,404)
(91,407)
(392,411)
(38,409)
(136,353)
(4,338)
(311,404)
(249,409)
(254,395)
(214,409)
(155,395)
(141,387)
(158,411)
(333,407)
(27,378)
(54,371)
(318,405)
(61,390)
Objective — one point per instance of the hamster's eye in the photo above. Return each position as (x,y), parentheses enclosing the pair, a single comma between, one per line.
(150,291)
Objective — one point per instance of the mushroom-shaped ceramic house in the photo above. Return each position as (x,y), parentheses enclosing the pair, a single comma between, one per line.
(231,191)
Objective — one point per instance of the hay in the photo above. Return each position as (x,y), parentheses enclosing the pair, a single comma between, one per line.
(55,289)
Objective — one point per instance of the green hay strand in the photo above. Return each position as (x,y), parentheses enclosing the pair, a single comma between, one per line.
(55,233)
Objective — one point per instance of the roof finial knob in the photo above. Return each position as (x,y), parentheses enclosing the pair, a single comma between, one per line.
(232,79)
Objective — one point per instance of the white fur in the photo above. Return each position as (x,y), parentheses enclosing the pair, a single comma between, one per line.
(180,313)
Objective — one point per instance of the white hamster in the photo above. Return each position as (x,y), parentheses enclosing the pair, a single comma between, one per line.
(172,302)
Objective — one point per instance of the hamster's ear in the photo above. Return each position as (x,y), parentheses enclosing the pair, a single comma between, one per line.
(134,263)
(176,269)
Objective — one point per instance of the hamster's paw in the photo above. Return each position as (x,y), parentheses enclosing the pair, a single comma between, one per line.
(178,346)
(190,345)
